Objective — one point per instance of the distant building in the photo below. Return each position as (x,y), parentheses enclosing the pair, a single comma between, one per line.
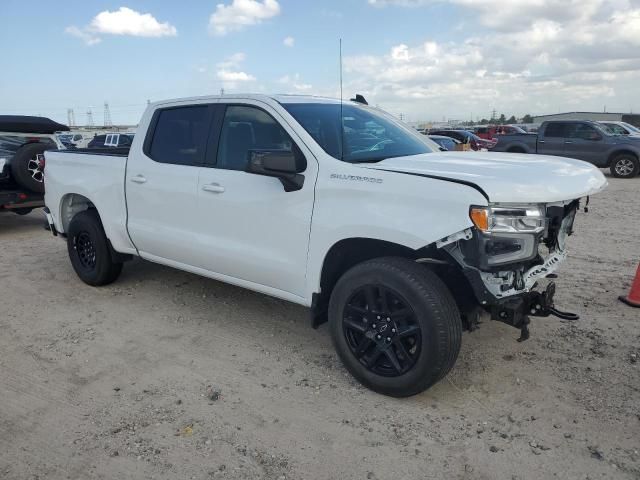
(593,116)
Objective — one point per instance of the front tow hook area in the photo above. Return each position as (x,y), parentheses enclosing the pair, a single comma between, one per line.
(516,312)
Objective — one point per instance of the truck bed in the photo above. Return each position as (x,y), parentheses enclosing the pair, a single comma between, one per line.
(75,175)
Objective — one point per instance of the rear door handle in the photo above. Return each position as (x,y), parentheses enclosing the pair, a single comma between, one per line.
(139,179)
(213,188)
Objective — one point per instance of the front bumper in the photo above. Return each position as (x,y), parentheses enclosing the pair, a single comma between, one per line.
(507,289)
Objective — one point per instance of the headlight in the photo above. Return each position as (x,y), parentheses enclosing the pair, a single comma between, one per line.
(509,218)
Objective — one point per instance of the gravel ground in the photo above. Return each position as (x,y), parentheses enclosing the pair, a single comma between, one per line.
(168,375)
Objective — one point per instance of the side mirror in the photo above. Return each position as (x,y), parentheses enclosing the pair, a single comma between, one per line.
(282,164)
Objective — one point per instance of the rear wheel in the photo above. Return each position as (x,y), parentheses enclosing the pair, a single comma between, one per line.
(394,325)
(625,165)
(89,250)
(27,167)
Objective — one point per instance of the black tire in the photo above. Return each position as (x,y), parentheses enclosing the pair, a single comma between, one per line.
(430,354)
(27,167)
(89,250)
(625,165)
(22,211)
(516,150)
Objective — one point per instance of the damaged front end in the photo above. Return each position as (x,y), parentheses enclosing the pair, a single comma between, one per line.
(511,249)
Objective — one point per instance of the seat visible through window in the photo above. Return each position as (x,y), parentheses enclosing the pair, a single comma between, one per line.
(245,129)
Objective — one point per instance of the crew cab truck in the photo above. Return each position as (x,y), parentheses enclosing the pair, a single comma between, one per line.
(335,206)
(23,140)
(584,140)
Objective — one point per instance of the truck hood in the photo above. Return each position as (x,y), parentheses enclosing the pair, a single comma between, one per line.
(505,177)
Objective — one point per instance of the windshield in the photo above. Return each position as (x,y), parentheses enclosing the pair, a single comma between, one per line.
(368,135)
(631,128)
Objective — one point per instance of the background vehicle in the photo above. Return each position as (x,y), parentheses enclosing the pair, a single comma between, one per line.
(621,128)
(23,140)
(464,136)
(111,140)
(335,206)
(584,140)
(72,140)
(447,143)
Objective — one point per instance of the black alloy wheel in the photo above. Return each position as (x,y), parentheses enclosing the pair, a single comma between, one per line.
(382,330)
(85,250)
(394,325)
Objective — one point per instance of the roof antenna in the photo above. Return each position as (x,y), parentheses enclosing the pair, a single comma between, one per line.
(341,116)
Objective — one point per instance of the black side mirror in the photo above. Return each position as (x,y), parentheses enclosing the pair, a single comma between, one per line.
(283,164)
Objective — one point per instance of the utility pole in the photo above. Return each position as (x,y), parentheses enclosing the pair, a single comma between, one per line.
(89,118)
(107,115)
(71,117)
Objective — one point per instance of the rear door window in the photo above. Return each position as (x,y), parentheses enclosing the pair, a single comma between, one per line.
(555,130)
(180,135)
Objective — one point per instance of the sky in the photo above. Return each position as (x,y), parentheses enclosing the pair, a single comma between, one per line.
(422,59)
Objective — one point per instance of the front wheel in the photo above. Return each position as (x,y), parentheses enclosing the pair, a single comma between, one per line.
(89,250)
(625,165)
(394,325)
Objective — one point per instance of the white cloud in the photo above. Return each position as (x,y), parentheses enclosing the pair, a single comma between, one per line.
(289,41)
(227,76)
(123,21)
(240,14)
(294,84)
(129,22)
(533,56)
(230,72)
(83,35)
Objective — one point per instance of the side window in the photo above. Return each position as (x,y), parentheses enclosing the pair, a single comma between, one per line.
(245,129)
(555,130)
(582,131)
(180,135)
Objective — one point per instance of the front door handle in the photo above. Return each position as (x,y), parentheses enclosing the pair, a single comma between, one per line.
(213,188)
(567,143)
(139,179)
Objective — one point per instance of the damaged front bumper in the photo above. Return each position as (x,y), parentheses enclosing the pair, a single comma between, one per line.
(504,270)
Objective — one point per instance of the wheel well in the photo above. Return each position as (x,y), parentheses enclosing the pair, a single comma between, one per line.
(350,252)
(620,152)
(70,205)
(516,150)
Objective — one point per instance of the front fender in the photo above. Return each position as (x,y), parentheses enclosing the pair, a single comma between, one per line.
(403,209)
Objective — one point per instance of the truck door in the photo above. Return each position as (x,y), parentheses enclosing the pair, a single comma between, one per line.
(585,142)
(551,140)
(162,183)
(254,230)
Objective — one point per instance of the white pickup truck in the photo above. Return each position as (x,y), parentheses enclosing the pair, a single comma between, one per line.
(338,207)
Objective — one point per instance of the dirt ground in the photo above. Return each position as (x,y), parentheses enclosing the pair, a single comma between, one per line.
(116,382)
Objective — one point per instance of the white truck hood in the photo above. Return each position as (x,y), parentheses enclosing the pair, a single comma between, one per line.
(506,177)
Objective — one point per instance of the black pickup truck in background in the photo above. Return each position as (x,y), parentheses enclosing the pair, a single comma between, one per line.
(584,140)
(23,141)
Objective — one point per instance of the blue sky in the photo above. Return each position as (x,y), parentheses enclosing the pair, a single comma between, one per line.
(425,59)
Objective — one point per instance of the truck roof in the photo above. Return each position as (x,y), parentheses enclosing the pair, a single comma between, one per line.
(280,98)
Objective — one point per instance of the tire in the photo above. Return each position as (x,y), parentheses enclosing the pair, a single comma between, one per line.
(89,250)
(22,211)
(423,319)
(27,167)
(625,165)
(516,150)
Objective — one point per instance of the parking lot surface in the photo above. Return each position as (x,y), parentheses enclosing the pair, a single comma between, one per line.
(168,375)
